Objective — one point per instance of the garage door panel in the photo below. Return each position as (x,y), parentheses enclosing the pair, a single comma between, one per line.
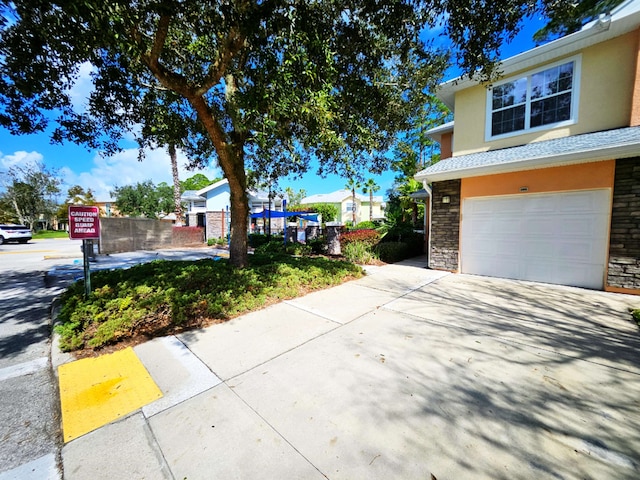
(585,202)
(507,225)
(506,266)
(539,205)
(506,247)
(555,238)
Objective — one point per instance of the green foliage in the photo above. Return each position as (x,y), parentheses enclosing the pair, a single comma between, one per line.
(358,245)
(258,239)
(370,187)
(270,247)
(197,182)
(392,252)
(404,232)
(295,198)
(29,192)
(144,199)
(328,211)
(50,234)
(298,249)
(636,315)
(216,241)
(361,253)
(366,225)
(318,245)
(76,195)
(128,302)
(568,17)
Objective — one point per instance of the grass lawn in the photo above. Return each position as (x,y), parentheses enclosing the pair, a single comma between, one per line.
(50,234)
(164,297)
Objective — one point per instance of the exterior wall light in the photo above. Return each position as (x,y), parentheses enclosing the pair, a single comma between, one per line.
(446,199)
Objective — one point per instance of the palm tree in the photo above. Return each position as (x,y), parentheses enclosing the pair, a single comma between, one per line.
(177,201)
(352,184)
(370,187)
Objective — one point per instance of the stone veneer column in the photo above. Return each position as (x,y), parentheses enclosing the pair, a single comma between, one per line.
(445,226)
(333,230)
(216,224)
(624,242)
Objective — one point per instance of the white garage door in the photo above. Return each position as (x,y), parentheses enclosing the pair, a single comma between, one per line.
(554,238)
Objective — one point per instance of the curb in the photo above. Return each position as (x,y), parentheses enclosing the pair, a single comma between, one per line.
(58,357)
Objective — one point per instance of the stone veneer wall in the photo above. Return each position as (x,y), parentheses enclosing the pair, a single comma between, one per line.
(216,224)
(624,244)
(445,226)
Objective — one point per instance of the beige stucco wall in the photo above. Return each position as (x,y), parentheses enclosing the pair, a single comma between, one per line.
(362,211)
(606,89)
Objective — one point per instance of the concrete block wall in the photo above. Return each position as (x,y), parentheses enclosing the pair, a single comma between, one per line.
(445,226)
(123,234)
(624,245)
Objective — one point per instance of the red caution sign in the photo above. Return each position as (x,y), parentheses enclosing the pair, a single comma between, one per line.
(84,222)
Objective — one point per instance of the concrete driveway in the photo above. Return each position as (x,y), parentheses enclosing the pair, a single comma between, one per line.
(407,374)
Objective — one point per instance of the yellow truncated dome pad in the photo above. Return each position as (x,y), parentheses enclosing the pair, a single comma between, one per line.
(96,391)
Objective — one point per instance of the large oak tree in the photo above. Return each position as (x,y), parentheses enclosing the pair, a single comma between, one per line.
(262,84)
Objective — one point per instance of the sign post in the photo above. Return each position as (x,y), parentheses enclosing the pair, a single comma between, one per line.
(84,224)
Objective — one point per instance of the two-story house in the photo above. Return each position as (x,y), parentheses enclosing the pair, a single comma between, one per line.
(540,177)
(343,201)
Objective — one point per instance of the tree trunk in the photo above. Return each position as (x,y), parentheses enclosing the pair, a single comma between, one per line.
(176,185)
(371,204)
(353,199)
(231,161)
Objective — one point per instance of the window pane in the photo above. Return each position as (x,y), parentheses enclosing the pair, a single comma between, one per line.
(551,110)
(551,81)
(508,120)
(508,94)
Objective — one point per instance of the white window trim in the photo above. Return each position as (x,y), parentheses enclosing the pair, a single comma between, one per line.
(575,97)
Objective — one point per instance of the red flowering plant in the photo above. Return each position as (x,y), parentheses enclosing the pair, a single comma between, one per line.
(369,237)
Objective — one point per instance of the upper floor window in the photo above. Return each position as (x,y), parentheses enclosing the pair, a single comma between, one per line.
(351,207)
(544,98)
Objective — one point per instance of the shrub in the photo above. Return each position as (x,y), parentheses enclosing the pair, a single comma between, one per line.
(392,252)
(298,249)
(257,239)
(413,240)
(366,225)
(158,297)
(636,315)
(274,246)
(359,252)
(318,245)
(369,237)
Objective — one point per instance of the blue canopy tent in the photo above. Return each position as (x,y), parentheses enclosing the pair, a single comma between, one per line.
(310,216)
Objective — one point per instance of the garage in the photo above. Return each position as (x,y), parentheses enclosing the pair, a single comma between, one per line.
(558,238)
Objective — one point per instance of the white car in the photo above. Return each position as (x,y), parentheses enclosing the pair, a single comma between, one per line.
(14,233)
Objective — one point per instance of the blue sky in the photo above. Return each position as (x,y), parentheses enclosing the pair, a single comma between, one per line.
(78,166)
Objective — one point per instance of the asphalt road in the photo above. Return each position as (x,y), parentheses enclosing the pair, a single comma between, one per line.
(29,417)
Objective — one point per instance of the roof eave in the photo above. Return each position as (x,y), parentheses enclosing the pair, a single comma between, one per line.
(614,152)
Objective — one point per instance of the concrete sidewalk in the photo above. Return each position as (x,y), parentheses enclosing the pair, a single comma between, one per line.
(406,373)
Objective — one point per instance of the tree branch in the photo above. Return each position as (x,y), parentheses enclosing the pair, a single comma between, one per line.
(232,45)
(170,80)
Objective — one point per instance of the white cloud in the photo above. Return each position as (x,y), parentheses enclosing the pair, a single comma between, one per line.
(82,88)
(125,169)
(20,157)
